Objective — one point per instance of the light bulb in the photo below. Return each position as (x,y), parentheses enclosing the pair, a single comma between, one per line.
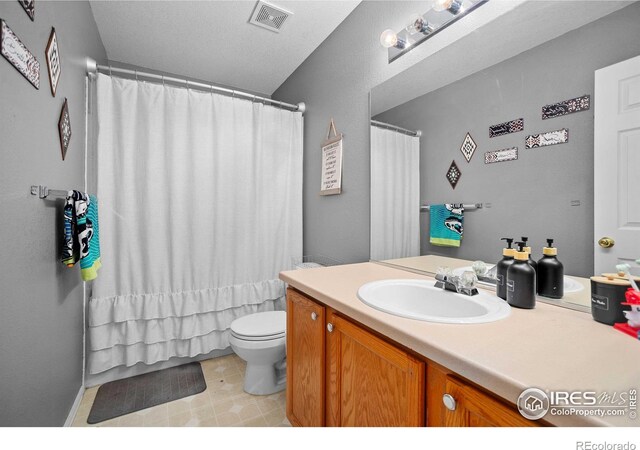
(388,38)
(417,24)
(453,6)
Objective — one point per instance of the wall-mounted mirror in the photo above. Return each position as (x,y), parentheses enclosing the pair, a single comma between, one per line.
(468,125)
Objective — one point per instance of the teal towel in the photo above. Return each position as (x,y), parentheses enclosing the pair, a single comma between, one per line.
(445,227)
(90,260)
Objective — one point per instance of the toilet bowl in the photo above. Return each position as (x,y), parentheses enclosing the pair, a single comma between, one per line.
(259,339)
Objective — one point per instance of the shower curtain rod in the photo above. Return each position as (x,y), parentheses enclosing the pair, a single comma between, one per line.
(388,126)
(93,67)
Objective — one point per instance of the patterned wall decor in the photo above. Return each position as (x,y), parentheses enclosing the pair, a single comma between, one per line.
(453,174)
(17,54)
(64,129)
(566,107)
(501,129)
(53,61)
(548,138)
(29,7)
(507,154)
(468,147)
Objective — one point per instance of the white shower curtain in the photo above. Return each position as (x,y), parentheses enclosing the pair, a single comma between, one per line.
(200,209)
(395,194)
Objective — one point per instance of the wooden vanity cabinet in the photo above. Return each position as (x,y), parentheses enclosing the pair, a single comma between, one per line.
(452,402)
(370,383)
(341,374)
(305,361)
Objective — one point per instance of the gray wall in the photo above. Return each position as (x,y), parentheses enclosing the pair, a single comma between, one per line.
(40,299)
(530,196)
(334,81)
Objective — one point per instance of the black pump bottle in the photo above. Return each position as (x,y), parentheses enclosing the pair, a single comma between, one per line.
(527,249)
(521,281)
(550,273)
(503,266)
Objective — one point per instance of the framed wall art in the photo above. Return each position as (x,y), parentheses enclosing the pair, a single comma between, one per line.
(18,55)
(548,138)
(64,129)
(29,7)
(566,107)
(507,154)
(453,174)
(53,61)
(501,129)
(468,147)
(331,178)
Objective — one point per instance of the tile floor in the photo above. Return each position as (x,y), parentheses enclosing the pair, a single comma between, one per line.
(223,404)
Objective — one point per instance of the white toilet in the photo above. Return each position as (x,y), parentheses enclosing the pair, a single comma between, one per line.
(259,339)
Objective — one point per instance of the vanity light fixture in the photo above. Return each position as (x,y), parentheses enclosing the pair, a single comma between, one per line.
(453,6)
(421,27)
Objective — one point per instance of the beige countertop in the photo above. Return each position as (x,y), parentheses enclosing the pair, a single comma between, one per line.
(549,347)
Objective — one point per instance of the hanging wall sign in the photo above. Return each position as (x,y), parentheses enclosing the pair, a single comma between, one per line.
(508,154)
(501,129)
(548,138)
(53,61)
(468,147)
(331,180)
(29,7)
(64,129)
(453,174)
(17,54)
(566,107)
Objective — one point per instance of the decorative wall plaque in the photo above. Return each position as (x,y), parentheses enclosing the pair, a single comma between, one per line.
(468,147)
(29,7)
(64,129)
(507,154)
(17,54)
(548,138)
(53,61)
(566,107)
(453,174)
(501,129)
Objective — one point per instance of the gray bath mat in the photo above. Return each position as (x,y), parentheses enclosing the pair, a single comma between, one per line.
(121,397)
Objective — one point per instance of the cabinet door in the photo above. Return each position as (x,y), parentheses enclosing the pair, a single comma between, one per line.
(369,381)
(305,361)
(473,408)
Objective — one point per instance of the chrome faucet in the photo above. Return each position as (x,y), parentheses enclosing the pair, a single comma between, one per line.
(454,284)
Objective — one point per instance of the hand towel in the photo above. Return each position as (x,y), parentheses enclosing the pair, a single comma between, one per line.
(445,228)
(81,237)
(90,239)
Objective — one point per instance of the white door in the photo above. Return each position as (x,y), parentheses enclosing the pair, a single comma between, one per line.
(617,166)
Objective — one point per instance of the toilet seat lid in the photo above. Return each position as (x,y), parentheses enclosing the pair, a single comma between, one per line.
(267,324)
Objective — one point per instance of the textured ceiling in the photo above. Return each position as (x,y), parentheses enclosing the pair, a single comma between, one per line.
(502,34)
(213,41)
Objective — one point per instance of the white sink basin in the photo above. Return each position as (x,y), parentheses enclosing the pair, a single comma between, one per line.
(421,300)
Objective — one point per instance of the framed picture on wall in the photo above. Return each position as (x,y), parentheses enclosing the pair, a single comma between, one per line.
(64,128)
(53,61)
(29,7)
(18,55)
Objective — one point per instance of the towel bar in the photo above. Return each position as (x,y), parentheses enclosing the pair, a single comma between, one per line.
(467,207)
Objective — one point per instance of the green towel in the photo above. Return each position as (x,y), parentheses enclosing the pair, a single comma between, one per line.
(445,227)
(90,260)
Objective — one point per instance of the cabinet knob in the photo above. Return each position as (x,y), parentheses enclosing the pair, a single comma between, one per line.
(449,402)
(314,316)
(330,327)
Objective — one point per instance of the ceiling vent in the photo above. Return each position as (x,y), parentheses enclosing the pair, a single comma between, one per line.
(269,16)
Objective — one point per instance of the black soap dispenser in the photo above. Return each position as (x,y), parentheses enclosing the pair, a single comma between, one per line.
(521,281)
(550,273)
(527,249)
(503,266)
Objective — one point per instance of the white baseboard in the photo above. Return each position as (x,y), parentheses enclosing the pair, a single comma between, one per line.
(74,408)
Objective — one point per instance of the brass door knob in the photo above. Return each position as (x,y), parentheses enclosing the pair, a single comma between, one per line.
(606,242)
